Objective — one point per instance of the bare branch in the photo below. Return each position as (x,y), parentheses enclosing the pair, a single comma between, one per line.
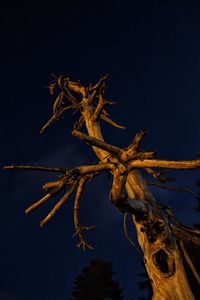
(133,151)
(126,234)
(187,164)
(98,109)
(50,185)
(77,88)
(58,103)
(116,192)
(55,118)
(110,122)
(96,142)
(83,243)
(81,170)
(138,139)
(79,123)
(48,196)
(76,201)
(58,185)
(145,155)
(69,96)
(78,227)
(35,168)
(92,97)
(59,204)
(91,169)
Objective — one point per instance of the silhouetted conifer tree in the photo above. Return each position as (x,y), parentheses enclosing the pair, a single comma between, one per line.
(96,283)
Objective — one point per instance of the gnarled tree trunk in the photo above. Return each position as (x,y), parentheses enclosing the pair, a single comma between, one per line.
(162,257)
(170,249)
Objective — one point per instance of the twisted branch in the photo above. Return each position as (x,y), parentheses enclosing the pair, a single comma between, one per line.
(126,234)
(79,228)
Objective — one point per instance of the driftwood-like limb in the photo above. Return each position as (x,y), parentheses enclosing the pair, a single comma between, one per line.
(110,122)
(51,184)
(92,96)
(133,151)
(91,169)
(95,142)
(98,109)
(136,143)
(81,170)
(48,196)
(78,227)
(167,164)
(88,93)
(41,201)
(59,204)
(145,155)
(35,168)
(116,192)
(76,201)
(58,103)
(71,176)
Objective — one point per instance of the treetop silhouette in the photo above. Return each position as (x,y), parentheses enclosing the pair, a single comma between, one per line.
(96,282)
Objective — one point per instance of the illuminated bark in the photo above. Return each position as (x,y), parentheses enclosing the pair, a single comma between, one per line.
(167,245)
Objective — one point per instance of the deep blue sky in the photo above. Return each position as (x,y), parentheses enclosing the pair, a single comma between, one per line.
(151,50)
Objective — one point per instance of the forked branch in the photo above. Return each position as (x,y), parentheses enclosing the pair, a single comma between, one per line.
(78,227)
(59,204)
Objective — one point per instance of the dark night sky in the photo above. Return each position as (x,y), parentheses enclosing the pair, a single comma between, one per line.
(151,50)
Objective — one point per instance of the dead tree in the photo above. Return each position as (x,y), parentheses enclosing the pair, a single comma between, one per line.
(169,247)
